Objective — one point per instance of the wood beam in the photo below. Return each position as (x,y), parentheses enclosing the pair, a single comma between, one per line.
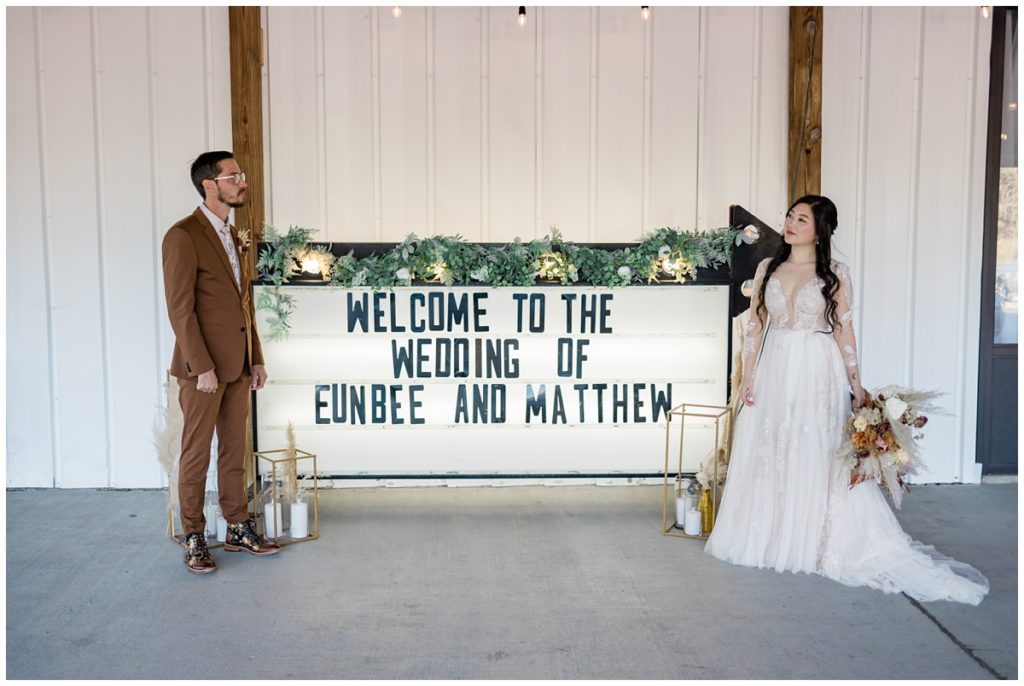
(246,49)
(245,45)
(805,44)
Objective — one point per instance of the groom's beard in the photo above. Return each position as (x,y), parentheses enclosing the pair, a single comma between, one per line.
(239,200)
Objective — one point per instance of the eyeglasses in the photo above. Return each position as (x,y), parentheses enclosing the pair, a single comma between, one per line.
(237,177)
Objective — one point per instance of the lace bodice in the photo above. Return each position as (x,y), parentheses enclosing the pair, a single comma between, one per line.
(804,310)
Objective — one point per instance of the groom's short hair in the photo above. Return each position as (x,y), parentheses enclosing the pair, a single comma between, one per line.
(207,166)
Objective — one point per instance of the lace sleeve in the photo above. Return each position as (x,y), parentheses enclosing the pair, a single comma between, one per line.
(843,332)
(754,328)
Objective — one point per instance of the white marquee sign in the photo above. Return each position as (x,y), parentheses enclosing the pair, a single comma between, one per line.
(544,380)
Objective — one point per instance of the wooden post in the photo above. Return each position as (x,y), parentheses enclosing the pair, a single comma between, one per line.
(246,48)
(245,38)
(805,41)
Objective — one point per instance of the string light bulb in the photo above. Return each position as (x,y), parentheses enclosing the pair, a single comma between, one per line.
(986,11)
(312,265)
(645,12)
(751,234)
(396,11)
(521,19)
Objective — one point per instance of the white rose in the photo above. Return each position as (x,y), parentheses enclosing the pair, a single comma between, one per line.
(902,457)
(664,250)
(625,272)
(402,274)
(894,407)
(860,423)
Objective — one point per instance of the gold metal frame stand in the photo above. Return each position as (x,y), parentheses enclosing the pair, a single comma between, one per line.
(314,531)
(716,412)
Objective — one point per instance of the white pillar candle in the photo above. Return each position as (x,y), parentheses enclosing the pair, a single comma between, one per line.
(300,523)
(682,504)
(268,514)
(222,528)
(691,525)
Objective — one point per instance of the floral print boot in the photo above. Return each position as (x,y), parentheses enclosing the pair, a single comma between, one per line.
(243,536)
(197,556)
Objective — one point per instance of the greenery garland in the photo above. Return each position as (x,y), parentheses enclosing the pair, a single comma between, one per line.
(666,254)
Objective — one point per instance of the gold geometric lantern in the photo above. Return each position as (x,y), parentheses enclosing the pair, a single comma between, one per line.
(721,415)
(288,507)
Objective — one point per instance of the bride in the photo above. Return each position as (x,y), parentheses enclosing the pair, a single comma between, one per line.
(782,507)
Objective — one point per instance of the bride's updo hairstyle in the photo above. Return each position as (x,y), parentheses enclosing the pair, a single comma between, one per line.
(826,220)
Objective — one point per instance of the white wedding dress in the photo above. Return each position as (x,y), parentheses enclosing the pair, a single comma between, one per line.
(782,506)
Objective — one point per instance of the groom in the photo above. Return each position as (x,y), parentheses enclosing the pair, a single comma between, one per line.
(217,356)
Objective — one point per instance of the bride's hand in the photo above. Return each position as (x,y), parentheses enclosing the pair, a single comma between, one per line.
(747,392)
(858,397)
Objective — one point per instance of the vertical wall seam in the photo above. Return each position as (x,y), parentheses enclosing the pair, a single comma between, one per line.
(646,128)
(485,124)
(44,185)
(961,431)
(101,240)
(375,117)
(154,187)
(538,123)
(862,153)
(268,150)
(208,94)
(592,162)
(321,117)
(913,209)
(429,44)
(702,47)
(755,109)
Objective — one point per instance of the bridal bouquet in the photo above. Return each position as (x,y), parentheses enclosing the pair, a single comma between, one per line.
(880,442)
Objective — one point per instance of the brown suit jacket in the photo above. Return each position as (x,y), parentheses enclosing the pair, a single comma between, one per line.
(212,320)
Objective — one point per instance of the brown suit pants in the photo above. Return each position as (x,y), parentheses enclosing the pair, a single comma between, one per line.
(226,411)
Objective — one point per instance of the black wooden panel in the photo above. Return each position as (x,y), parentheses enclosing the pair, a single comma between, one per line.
(1002,445)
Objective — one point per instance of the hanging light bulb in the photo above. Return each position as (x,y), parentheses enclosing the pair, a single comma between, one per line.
(645,12)
(396,11)
(986,11)
(521,19)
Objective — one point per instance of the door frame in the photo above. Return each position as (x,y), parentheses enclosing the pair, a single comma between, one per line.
(988,350)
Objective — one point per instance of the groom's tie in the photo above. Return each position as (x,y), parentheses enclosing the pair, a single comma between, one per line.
(229,248)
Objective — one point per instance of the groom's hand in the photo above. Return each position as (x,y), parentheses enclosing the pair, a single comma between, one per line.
(259,376)
(207,382)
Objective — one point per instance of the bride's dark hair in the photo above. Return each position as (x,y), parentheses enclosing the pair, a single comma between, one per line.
(826,220)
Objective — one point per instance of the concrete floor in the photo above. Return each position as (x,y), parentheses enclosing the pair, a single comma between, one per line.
(530,582)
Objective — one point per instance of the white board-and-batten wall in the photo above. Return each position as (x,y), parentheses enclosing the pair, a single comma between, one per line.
(456,120)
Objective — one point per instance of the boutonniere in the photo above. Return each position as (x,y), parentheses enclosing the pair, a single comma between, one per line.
(244,240)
